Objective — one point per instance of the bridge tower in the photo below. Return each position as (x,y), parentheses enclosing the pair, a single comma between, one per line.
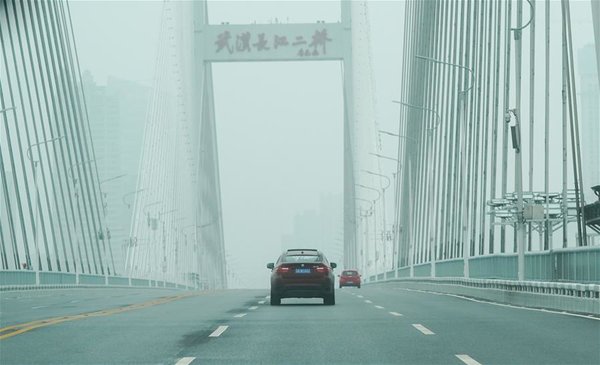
(279,42)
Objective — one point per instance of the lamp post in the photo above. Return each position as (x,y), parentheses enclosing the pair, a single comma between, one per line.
(153,224)
(462,122)
(112,178)
(130,194)
(384,157)
(37,205)
(365,253)
(70,170)
(432,248)
(161,215)
(374,222)
(516,141)
(396,209)
(383,240)
(437,115)
(104,206)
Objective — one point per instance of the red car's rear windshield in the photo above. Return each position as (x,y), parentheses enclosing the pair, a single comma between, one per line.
(301,258)
(349,273)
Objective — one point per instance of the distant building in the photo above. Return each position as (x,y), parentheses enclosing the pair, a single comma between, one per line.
(117,113)
(321,229)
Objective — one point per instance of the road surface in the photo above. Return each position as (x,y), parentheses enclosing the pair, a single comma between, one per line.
(378,324)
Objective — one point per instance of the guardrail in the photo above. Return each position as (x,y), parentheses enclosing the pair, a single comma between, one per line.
(27,279)
(580,265)
(566,279)
(570,297)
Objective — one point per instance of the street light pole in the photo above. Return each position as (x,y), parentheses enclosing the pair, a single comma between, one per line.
(104,206)
(365,252)
(437,115)
(383,237)
(374,222)
(462,123)
(396,237)
(129,194)
(37,204)
(516,140)
(432,245)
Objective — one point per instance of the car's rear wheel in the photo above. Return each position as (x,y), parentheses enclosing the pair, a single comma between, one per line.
(329,299)
(359,286)
(275,299)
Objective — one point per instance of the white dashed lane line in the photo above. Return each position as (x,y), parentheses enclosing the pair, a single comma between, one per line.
(185,361)
(39,306)
(468,360)
(261,302)
(378,307)
(219,331)
(368,301)
(360,296)
(395,314)
(240,315)
(423,329)
(253,308)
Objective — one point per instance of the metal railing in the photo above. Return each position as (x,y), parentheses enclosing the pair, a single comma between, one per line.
(577,265)
(23,279)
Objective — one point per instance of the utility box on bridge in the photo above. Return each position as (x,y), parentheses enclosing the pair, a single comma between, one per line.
(533,212)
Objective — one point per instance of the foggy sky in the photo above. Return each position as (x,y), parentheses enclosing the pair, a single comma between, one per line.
(279,125)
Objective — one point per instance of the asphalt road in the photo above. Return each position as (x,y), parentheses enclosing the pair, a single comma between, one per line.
(380,324)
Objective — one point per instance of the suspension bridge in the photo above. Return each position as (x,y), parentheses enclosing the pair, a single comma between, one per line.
(492,196)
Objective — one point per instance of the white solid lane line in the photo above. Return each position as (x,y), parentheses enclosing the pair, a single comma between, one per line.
(261,302)
(423,329)
(253,308)
(185,361)
(468,360)
(378,307)
(368,301)
(219,331)
(503,304)
(395,314)
(240,315)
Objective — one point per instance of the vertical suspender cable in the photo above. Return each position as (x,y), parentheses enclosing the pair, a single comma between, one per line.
(564,129)
(532,43)
(507,49)
(575,143)
(547,226)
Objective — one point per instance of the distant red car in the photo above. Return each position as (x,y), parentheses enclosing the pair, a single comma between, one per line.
(350,278)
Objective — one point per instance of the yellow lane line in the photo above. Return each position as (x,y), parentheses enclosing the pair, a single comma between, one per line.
(13,330)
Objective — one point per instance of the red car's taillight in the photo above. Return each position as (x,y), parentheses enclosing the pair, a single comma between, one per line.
(322,269)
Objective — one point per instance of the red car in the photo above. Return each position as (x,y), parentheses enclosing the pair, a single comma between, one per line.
(350,278)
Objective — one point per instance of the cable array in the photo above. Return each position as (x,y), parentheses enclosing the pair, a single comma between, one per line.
(51,212)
